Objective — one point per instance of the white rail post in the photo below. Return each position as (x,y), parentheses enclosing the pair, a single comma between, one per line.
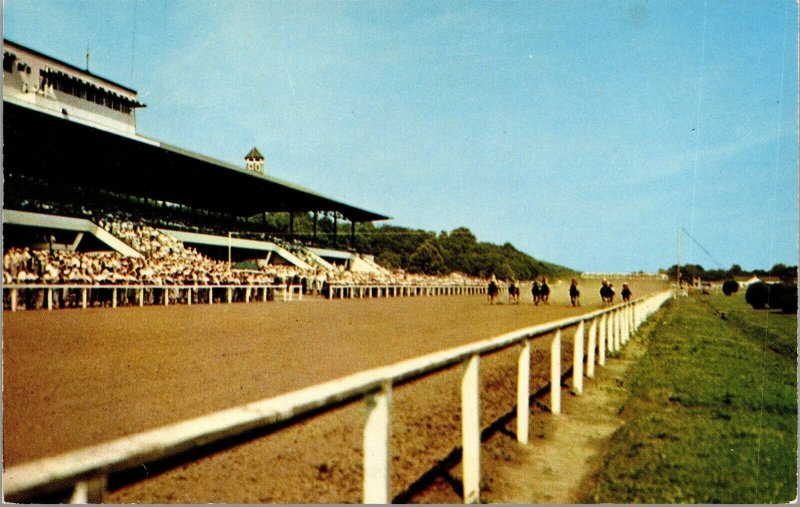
(114,297)
(591,352)
(470,429)
(88,491)
(166,296)
(626,325)
(577,358)
(229,293)
(141,296)
(299,292)
(247,291)
(83,298)
(377,440)
(523,391)
(617,330)
(264,295)
(555,374)
(623,326)
(610,333)
(49,299)
(189,296)
(211,295)
(13,300)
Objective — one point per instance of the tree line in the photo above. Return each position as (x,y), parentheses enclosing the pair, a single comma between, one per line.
(689,271)
(417,250)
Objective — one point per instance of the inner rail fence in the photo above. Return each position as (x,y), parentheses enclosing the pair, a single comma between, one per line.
(83,296)
(84,473)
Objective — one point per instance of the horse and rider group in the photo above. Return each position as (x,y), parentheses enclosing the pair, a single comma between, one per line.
(541,292)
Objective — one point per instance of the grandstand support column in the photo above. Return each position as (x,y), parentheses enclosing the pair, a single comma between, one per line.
(335,229)
(555,374)
(577,358)
(591,350)
(314,233)
(291,226)
(523,391)
(471,429)
(377,445)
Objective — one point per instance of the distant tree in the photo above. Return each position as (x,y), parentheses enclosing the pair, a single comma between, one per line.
(389,259)
(789,298)
(784,272)
(757,295)
(427,259)
(729,287)
(505,272)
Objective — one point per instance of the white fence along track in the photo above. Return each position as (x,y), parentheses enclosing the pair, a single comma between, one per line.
(86,470)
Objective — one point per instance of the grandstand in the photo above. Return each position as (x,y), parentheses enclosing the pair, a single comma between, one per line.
(88,199)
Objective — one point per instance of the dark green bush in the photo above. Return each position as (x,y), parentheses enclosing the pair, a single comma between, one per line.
(789,303)
(777,295)
(729,287)
(757,295)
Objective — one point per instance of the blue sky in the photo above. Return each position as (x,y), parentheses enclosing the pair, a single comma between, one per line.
(585,133)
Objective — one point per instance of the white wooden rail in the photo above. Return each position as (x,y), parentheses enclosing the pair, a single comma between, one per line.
(172,293)
(85,471)
(353,291)
(289,292)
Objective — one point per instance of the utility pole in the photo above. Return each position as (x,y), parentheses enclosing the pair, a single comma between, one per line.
(680,252)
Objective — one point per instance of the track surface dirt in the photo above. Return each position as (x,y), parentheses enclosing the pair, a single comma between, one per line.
(74,378)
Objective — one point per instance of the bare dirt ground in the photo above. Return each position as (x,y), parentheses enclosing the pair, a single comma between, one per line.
(79,377)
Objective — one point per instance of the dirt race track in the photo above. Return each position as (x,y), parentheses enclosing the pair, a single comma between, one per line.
(74,378)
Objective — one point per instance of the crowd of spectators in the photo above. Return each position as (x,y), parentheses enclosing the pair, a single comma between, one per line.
(166,261)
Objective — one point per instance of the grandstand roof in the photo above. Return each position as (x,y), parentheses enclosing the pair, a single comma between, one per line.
(58,149)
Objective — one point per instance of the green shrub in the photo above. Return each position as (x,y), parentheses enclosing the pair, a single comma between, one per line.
(789,296)
(730,287)
(757,295)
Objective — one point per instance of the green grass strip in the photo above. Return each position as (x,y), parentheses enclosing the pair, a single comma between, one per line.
(712,413)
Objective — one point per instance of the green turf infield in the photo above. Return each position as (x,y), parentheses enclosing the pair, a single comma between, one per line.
(712,413)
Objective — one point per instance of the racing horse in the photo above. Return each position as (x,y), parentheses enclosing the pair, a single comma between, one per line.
(607,292)
(494,290)
(536,292)
(545,291)
(574,293)
(513,293)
